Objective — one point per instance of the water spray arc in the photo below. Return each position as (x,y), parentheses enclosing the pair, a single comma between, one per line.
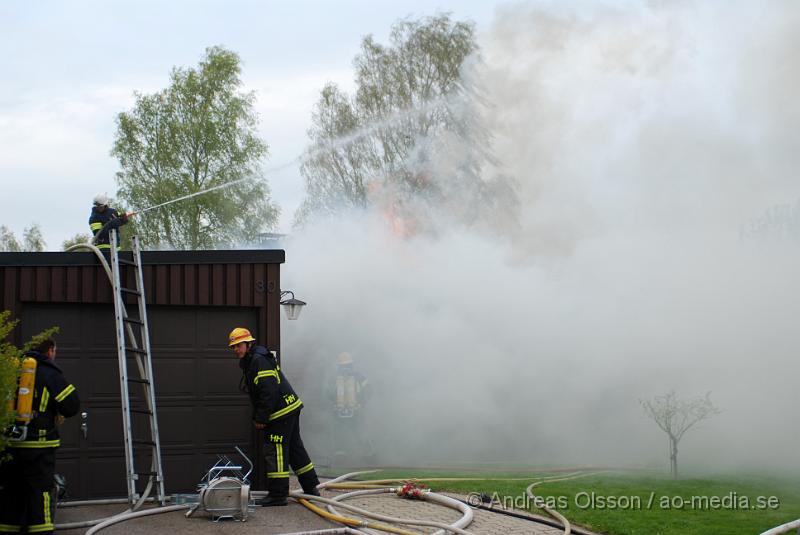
(213,188)
(333,144)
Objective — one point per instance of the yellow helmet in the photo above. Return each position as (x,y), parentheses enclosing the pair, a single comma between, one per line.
(239,335)
(344,358)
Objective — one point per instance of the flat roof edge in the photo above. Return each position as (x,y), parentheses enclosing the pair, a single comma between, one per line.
(239,256)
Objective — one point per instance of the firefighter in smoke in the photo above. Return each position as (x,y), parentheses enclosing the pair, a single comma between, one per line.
(27,478)
(103,219)
(350,394)
(276,413)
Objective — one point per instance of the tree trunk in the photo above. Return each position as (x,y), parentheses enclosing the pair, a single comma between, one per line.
(673,457)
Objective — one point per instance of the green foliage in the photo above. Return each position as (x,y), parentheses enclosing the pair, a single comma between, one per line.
(8,242)
(10,356)
(32,240)
(198,133)
(410,132)
(76,239)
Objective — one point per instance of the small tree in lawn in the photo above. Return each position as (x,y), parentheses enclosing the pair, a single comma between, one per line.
(676,416)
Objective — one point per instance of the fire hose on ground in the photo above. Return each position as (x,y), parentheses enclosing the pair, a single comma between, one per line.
(305,499)
(464,521)
(381,522)
(784,528)
(135,514)
(456,527)
(90,523)
(552,512)
(376,487)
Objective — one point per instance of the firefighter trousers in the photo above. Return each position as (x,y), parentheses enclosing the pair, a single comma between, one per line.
(284,449)
(26,491)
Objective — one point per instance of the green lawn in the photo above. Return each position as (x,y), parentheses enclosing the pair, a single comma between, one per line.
(637,503)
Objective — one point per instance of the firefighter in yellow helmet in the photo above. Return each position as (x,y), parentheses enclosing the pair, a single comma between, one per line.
(276,414)
(27,478)
(351,443)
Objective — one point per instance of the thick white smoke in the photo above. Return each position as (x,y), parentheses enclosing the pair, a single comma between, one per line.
(642,139)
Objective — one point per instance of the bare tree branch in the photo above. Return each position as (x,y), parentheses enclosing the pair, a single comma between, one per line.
(676,416)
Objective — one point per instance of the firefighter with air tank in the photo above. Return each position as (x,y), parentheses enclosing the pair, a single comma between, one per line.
(349,394)
(44,398)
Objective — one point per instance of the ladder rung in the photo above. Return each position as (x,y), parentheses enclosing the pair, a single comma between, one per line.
(127,338)
(141,381)
(129,291)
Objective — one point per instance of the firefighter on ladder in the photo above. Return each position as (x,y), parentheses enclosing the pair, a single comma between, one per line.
(103,219)
(27,478)
(276,414)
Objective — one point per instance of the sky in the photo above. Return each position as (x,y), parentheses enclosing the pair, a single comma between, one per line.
(76,65)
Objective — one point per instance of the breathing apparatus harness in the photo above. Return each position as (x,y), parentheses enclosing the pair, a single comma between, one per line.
(22,403)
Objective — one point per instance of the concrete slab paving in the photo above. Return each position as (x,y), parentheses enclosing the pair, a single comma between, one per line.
(294,517)
(262,521)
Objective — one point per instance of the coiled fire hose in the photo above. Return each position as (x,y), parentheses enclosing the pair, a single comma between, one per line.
(306,500)
(378,486)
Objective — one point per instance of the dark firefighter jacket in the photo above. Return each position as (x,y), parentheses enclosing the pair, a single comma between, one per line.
(270,393)
(52,396)
(101,224)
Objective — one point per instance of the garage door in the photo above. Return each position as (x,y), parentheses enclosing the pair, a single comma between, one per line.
(201,412)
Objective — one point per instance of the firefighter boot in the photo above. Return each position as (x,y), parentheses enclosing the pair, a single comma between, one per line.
(272,501)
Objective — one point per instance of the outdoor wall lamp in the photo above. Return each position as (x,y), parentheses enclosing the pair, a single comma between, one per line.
(291,306)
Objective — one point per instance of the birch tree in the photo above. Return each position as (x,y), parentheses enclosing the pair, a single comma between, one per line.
(197,134)
(410,129)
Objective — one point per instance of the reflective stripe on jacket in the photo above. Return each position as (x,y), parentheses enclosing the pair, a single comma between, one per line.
(52,396)
(271,394)
(101,224)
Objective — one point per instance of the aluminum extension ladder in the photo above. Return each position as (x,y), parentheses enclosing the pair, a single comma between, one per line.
(133,341)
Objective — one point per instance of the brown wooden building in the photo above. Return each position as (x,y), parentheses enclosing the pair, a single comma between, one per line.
(194,299)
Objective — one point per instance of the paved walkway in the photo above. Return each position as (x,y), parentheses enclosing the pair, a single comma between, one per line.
(295,517)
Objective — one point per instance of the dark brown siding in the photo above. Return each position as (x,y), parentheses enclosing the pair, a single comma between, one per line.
(235,279)
(194,299)
(201,412)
